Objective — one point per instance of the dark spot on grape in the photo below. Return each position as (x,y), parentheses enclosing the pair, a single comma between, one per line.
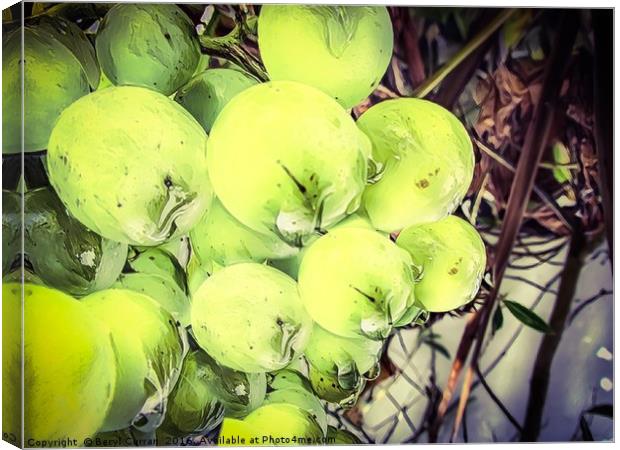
(168,182)
(119,205)
(423,183)
(453,271)
(334,385)
(167,36)
(322,379)
(152,258)
(251,348)
(279,322)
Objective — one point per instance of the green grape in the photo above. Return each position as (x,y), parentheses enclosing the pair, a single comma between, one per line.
(339,367)
(342,50)
(64,253)
(208,92)
(337,436)
(303,160)
(249,317)
(425,161)
(142,179)
(290,386)
(53,79)
(290,265)
(356,282)
(221,239)
(149,347)
(158,261)
(452,258)
(149,45)
(69,368)
(205,392)
(279,423)
(235,432)
(11,230)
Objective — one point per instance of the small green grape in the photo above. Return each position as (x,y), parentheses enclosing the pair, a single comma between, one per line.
(452,258)
(303,160)
(208,92)
(425,161)
(249,317)
(221,239)
(69,369)
(64,253)
(342,50)
(149,348)
(149,45)
(339,367)
(143,180)
(356,282)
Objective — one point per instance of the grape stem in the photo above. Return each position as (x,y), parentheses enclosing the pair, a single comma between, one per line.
(230,47)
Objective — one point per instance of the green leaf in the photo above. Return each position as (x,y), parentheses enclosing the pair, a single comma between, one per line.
(498,320)
(438,348)
(606,410)
(561,155)
(527,316)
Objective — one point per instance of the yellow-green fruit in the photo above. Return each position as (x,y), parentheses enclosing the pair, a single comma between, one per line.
(290,386)
(298,165)
(235,432)
(149,351)
(337,436)
(356,282)
(425,159)
(221,239)
(339,367)
(208,92)
(452,257)
(284,424)
(249,317)
(53,79)
(135,171)
(69,365)
(149,45)
(342,50)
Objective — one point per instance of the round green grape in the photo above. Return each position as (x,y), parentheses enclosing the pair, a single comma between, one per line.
(290,386)
(69,370)
(158,261)
(221,239)
(303,160)
(425,159)
(149,45)
(135,171)
(452,257)
(342,50)
(64,253)
(356,282)
(249,317)
(208,92)
(52,79)
(149,351)
(278,423)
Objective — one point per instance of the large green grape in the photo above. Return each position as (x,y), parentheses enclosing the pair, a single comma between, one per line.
(69,367)
(290,386)
(64,253)
(208,92)
(149,350)
(339,367)
(221,239)
(342,50)
(356,282)
(249,317)
(298,164)
(452,258)
(130,164)
(425,158)
(149,45)
(53,78)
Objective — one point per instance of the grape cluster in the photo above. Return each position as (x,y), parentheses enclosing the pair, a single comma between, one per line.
(216,252)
